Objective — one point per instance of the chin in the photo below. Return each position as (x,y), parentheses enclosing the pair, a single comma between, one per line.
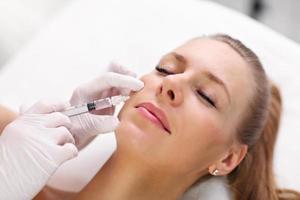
(133,135)
(128,140)
(128,131)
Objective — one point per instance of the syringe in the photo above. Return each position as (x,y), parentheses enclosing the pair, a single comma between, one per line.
(95,105)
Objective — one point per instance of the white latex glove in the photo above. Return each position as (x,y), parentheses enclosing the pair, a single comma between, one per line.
(86,126)
(31,148)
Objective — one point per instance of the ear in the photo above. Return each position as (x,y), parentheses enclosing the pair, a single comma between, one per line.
(228,162)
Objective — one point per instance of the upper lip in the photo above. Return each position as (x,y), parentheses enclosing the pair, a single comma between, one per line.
(157,112)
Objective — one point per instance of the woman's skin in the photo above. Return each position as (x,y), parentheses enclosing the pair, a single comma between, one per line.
(151,163)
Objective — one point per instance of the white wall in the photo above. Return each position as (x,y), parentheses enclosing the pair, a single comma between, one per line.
(281,15)
(20,19)
(284,17)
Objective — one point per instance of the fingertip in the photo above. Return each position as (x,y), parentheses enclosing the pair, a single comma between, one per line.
(128,82)
(114,66)
(60,119)
(139,85)
(70,150)
(104,124)
(125,92)
(60,106)
(63,136)
(23,108)
(114,121)
(67,121)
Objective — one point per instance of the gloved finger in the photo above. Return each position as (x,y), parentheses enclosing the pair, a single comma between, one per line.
(117,91)
(118,68)
(111,79)
(125,92)
(106,81)
(67,152)
(57,119)
(61,136)
(46,106)
(100,124)
(23,108)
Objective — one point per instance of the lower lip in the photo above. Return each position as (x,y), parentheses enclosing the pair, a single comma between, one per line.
(150,116)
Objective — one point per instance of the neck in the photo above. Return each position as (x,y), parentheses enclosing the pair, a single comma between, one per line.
(125,178)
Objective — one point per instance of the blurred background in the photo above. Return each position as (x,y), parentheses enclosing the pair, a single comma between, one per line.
(20,20)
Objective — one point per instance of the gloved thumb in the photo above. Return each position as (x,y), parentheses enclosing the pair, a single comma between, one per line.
(89,125)
(86,126)
(23,108)
(101,124)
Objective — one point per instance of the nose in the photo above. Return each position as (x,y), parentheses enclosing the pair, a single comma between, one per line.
(170,90)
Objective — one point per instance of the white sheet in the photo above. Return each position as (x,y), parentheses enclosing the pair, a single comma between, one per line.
(79,42)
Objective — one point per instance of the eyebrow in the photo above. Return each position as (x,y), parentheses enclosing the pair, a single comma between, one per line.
(179,58)
(208,74)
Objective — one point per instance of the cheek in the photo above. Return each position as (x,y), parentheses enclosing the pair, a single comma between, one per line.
(136,139)
(145,78)
(203,124)
(210,133)
(123,109)
(150,80)
(204,134)
(201,141)
(131,128)
(127,131)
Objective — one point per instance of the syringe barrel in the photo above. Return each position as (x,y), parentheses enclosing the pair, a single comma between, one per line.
(73,111)
(103,103)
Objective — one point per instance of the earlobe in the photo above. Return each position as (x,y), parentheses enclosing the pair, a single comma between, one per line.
(229,162)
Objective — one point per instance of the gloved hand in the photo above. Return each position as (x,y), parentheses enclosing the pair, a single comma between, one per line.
(118,81)
(31,148)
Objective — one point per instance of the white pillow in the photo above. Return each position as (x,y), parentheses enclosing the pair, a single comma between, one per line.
(80,41)
(212,189)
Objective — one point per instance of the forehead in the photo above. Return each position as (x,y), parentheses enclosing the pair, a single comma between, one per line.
(212,55)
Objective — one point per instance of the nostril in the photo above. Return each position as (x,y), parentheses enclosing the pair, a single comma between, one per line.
(160,90)
(171,94)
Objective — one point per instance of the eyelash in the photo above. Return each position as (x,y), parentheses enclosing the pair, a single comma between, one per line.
(199,92)
(163,71)
(206,98)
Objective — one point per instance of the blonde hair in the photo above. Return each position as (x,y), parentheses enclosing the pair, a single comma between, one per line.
(254,178)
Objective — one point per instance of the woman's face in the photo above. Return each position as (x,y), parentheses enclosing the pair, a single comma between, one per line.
(184,119)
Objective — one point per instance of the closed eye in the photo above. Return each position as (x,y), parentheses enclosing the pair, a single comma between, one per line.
(206,98)
(199,92)
(162,70)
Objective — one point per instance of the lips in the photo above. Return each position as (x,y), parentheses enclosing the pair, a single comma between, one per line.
(155,114)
